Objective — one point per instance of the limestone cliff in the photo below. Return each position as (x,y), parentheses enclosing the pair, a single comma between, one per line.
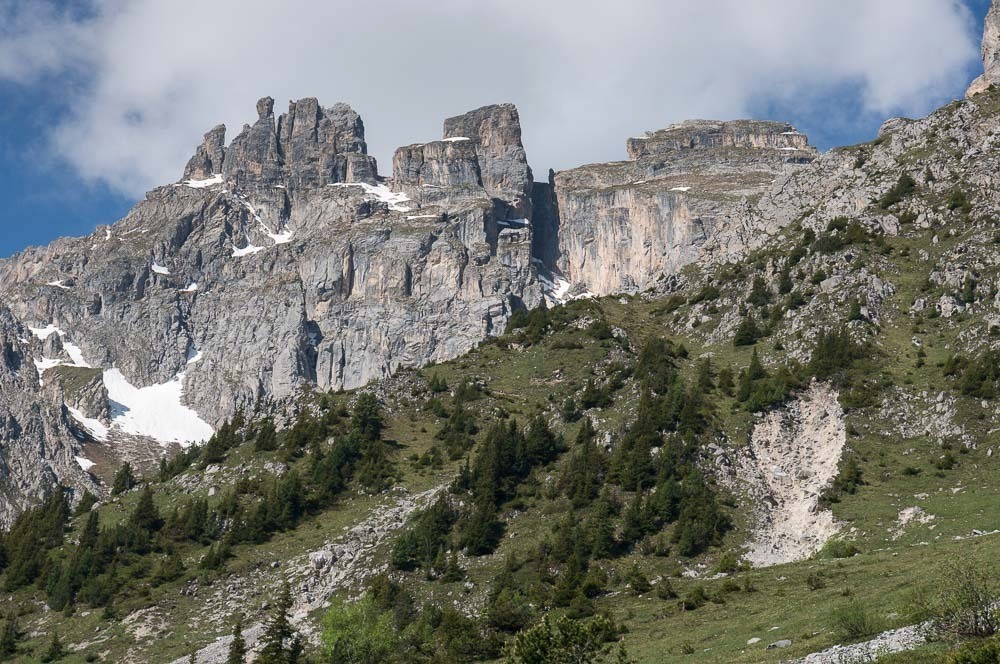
(991,52)
(687,190)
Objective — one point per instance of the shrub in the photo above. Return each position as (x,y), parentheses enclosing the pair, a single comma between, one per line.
(904,187)
(837,548)
(358,634)
(958,200)
(984,652)
(695,598)
(564,640)
(855,621)
(816,581)
(966,603)
(637,581)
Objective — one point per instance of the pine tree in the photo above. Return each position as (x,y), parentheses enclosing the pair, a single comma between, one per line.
(586,465)
(145,515)
(569,411)
(280,642)
(56,650)
(266,438)
(367,418)
(759,294)
(124,480)
(747,332)
(238,646)
(9,637)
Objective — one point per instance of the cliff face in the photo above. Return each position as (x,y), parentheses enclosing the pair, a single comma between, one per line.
(37,446)
(283,261)
(990,51)
(687,192)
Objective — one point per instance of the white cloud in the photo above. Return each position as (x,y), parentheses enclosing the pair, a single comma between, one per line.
(584,74)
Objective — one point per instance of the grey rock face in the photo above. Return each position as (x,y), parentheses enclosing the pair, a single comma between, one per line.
(37,448)
(709,134)
(688,190)
(207,160)
(991,52)
(453,163)
(495,131)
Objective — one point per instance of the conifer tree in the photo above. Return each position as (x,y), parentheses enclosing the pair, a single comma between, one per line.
(56,650)
(124,480)
(281,644)
(145,515)
(9,637)
(238,646)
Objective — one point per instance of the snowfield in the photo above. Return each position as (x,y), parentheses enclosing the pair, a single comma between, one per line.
(157,411)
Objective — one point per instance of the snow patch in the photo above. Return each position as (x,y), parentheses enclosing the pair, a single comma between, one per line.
(44,333)
(75,354)
(194,355)
(281,238)
(456,138)
(381,193)
(44,364)
(681,189)
(191,288)
(557,289)
(201,184)
(95,428)
(157,411)
(58,284)
(159,269)
(85,463)
(246,251)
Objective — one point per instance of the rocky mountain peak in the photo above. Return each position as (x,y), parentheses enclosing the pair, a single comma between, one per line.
(208,158)
(308,146)
(711,134)
(480,149)
(991,52)
(265,107)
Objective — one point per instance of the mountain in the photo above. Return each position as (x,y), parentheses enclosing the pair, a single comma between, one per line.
(728,387)
(284,262)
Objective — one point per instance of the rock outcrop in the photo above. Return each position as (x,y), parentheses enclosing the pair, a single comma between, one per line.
(207,160)
(991,53)
(479,151)
(687,191)
(792,458)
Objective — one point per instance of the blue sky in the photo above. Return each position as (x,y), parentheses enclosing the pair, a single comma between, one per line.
(67,167)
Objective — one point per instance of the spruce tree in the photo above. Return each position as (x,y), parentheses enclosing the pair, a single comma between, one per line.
(124,480)
(56,650)
(9,637)
(238,646)
(280,642)
(145,515)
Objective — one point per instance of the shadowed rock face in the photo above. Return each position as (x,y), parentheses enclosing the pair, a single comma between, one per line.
(624,226)
(991,53)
